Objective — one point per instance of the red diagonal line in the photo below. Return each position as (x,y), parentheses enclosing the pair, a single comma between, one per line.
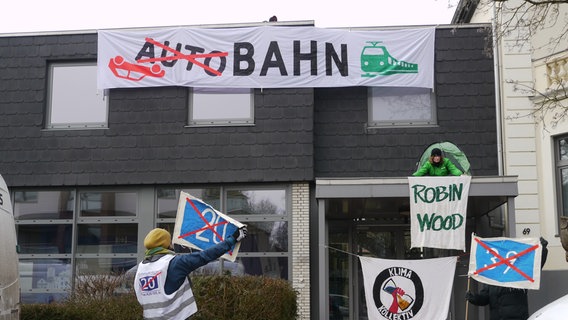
(506,261)
(503,260)
(208,226)
(151,279)
(189,57)
(185,56)
(196,231)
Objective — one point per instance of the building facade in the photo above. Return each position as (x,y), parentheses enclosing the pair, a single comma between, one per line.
(318,174)
(531,78)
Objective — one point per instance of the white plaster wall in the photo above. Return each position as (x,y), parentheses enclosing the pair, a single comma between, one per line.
(546,50)
(527,144)
(548,196)
(519,127)
(483,13)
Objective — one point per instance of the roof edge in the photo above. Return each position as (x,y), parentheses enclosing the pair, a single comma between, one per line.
(225,25)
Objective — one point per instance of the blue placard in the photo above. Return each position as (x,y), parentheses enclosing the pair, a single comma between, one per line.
(505,249)
(204,226)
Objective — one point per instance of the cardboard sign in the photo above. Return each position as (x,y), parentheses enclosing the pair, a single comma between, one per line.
(506,262)
(200,226)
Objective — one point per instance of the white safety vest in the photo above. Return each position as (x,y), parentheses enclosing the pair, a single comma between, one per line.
(149,287)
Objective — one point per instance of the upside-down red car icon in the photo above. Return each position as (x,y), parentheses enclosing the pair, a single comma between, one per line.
(135,72)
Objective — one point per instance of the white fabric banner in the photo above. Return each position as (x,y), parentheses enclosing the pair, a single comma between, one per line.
(408,289)
(506,262)
(438,211)
(265,57)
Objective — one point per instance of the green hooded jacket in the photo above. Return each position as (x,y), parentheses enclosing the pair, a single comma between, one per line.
(445,168)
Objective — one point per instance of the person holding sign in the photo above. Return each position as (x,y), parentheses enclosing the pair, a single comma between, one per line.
(505,303)
(438,165)
(161,283)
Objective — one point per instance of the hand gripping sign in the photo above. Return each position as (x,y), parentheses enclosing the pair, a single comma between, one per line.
(198,225)
(506,262)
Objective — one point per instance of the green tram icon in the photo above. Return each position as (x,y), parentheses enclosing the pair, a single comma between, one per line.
(376,60)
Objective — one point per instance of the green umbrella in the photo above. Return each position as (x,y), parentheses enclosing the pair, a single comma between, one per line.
(450,151)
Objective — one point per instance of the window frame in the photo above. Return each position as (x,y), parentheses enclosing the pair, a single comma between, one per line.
(73,125)
(559,165)
(244,218)
(219,121)
(146,218)
(372,123)
(76,254)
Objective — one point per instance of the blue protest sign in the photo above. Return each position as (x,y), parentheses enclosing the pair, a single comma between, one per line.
(506,262)
(198,225)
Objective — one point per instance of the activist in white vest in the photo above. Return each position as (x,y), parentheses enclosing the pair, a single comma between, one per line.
(161,282)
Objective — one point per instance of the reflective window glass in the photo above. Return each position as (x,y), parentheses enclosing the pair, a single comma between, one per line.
(563,148)
(222,266)
(564,191)
(34,205)
(104,266)
(266,237)
(73,98)
(256,202)
(45,275)
(44,239)
(401,106)
(168,199)
(104,204)
(107,238)
(221,106)
(274,267)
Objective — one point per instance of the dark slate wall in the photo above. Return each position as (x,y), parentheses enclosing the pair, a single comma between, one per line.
(346,147)
(298,134)
(147,141)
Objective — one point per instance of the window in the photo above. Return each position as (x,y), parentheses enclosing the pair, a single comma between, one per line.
(106,232)
(73,99)
(68,235)
(394,106)
(265,213)
(221,106)
(561,146)
(44,227)
(64,235)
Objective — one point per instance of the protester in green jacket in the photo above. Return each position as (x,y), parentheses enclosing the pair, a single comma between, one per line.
(437,165)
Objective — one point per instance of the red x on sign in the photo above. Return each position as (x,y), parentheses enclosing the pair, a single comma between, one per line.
(506,261)
(207,226)
(189,57)
(200,226)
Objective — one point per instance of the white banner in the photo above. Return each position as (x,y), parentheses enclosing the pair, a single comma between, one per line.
(408,289)
(265,57)
(506,262)
(438,211)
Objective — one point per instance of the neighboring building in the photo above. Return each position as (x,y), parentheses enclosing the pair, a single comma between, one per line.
(532,66)
(314,172)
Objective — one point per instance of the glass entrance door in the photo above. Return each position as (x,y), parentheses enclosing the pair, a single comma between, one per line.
(347,241)
(385,242)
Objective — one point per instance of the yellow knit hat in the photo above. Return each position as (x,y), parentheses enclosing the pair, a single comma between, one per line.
(158,238)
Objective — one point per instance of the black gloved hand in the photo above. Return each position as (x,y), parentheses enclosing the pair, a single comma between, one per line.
(543,242)
(240,233)
(468,295)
